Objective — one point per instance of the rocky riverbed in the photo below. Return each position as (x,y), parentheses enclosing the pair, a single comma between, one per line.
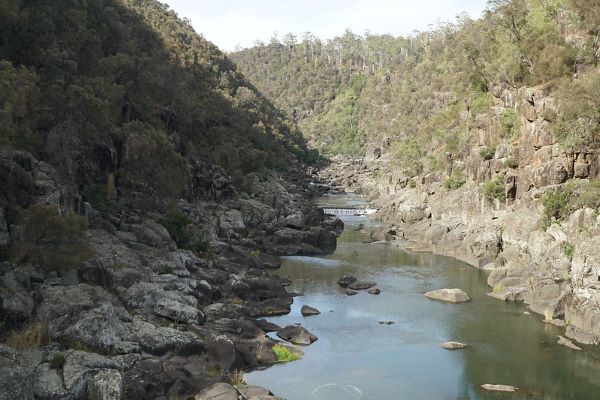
(142,318)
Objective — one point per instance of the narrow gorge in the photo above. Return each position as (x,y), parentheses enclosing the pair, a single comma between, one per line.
(297,218)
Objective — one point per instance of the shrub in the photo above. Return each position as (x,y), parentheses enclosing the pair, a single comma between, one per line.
(57,361)
(97,196)
(237,377)
(510,162)
(556,205)
(509,119)
(184,232)
(454,181)
(412,183)
(568,249)
(283,354)
(494,189)
(52,241)
(487,152)
(480,104)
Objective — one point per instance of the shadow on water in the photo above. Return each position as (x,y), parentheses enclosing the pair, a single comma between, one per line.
(358,358)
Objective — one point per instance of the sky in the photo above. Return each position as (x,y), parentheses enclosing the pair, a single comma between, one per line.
(231,23)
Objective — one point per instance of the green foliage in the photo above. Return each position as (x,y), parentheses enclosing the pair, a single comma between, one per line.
(165,270)
(556,205)
(455,181)
(98,198)
(510,121)
(494,189)
(80,78)
(579,121)
(480,104)
(51,241)
(283,354)
(487,152)
(510,162)
(412,183)
(57,361)
(568,249)
(185,234)
(409,156)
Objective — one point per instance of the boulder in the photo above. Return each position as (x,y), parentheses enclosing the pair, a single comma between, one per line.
(218,391)
(454,345)
(450,295)
(307,311)
(374,291)
(350,292)
(159,340)
(346,280)
(106,385)
(361,285)
(267,326)
(498,388)
(178,312)
(297,335)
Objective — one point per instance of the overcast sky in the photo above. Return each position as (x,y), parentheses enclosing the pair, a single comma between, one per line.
(228,23)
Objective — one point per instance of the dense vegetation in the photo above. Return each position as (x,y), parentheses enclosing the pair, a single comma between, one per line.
(122,94)
(421,94)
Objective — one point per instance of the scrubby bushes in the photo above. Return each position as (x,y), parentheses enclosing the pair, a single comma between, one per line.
(51,241)
(494,189)
(487,152)
(454,181)
(183,232)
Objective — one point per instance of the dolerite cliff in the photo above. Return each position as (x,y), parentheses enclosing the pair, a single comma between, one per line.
(550,265)
(141,318)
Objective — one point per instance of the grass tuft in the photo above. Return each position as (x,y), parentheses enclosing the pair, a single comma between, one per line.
(284,354)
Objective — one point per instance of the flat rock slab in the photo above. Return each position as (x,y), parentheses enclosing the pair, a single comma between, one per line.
(297,335)
(566,342)
(346,280)
(361,285)
(307,311)
(499,388)
(267,326)
(218,391)
(450,295)
(374,291)
(454,345)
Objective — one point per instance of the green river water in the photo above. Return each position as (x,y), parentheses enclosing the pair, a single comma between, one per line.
(357,358)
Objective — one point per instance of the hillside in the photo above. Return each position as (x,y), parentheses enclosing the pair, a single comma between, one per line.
(133,91)
(146,186)
(476,140)
(422,94)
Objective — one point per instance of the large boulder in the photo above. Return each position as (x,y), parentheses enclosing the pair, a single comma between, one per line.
(218,391)
(361,285)
(178,312)
(159,340)
(450,295)
(297,335)
(308,311)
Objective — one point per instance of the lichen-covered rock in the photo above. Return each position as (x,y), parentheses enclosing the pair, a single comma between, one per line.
(297,335)
(158,340)
(178,312)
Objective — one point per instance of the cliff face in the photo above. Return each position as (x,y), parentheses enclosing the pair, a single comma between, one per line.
(547,260)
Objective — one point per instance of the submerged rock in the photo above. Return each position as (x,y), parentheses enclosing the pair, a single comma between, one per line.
(454,345)
(346,280)
(350,292)
(450,295)
(374,291)
(567,343)
(361,285)
(499,388)
(386,322)
(307,311)
(297,335)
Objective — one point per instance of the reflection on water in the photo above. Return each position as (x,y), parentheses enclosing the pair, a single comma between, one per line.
(357,358)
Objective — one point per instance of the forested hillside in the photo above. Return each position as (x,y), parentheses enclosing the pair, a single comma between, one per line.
(121,93)
(421,94)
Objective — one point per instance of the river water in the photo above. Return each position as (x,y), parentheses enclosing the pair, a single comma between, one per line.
(358,358)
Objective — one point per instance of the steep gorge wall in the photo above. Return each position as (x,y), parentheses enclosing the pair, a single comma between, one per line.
(556,271)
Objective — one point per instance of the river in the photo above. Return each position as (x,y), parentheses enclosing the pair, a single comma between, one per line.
(358,358)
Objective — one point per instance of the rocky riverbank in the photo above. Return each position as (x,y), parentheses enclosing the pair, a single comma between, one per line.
(142,318)
(554,270)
